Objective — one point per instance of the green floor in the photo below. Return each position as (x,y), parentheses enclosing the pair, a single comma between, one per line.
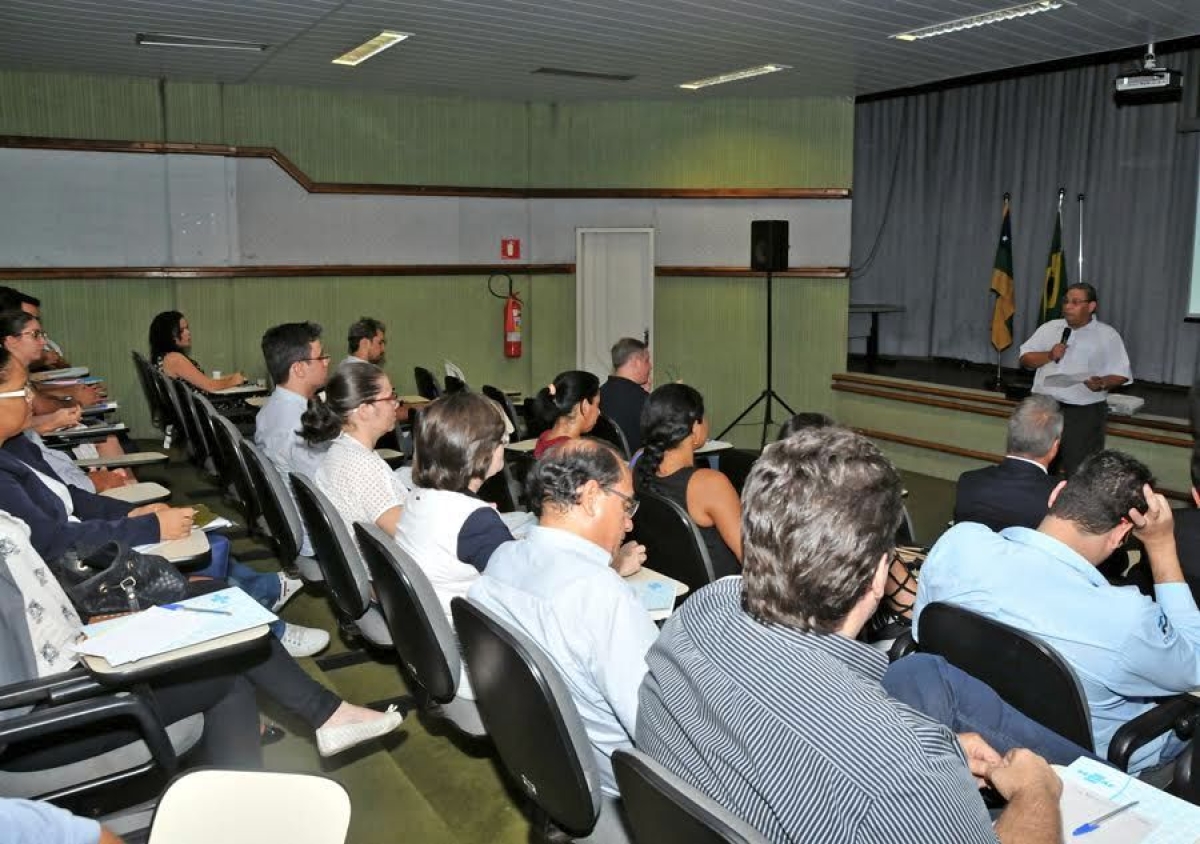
(425,784)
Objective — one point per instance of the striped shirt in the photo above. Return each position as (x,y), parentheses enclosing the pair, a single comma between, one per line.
(793,732)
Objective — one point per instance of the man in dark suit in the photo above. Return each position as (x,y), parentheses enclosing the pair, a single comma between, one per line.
(1017,491)
(625,391)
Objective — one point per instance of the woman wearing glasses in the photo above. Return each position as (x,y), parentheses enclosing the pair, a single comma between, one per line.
(170,340)
(673,427)
(359,407)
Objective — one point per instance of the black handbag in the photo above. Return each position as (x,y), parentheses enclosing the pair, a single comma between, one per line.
(114,578)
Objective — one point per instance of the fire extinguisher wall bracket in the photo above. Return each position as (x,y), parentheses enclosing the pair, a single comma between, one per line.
(513,309)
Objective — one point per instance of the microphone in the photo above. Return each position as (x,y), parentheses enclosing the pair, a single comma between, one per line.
(1066,335)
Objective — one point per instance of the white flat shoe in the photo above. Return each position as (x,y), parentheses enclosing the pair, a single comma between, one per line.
(334,740)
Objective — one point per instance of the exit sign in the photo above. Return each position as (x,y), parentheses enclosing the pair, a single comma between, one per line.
(510,248)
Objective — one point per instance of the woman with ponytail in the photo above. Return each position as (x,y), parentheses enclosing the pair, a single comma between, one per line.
(359,407)
(568,406)
(673,427)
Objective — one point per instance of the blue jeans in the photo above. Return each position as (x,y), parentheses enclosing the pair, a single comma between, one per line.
(262,587)
(954,698)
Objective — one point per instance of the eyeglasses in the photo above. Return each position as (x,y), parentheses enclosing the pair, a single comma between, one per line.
(1076,301)
(25,392)
(36,334)
(631,503)
(314,360)
(393,398)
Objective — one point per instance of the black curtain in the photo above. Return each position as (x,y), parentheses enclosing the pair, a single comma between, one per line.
(930,171)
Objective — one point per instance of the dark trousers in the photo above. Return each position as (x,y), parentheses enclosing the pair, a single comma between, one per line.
(227,700)
(1082,436)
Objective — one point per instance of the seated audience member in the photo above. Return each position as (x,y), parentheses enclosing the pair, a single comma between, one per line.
(758,694)
(446,528)
(803,422)
(299,367)
(64,518)
(34,821)
(52,355)
(625,391)
(1017,491)
(170,341)
(557,586)
(358,408)
(1124,647)
(673,427)
(1187,542)
(568,407)
(24,340)
(367,341)
(38,624)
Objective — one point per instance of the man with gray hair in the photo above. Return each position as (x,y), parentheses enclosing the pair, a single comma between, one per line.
(624,393)
(1017,491)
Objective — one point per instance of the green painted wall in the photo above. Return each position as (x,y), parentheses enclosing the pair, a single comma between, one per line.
(708,331)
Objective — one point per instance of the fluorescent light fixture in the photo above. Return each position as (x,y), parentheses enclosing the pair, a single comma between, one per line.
(734,76)
(161,39)
(376,45)
(972,21)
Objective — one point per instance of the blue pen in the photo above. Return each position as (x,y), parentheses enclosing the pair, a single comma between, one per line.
(194,609)
(1092,826)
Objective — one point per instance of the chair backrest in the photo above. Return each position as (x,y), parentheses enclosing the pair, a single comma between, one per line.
(229,440)
(454,384)
(609,431)
(906,534)
(528,712)
(337,554)
(149,390)
(197,443)
(663,809)
(206,418)
(427,386)
(673,543)
(181,418)
(278,509)
(251,807)
(735,464)
(501,398)
(1025,671)
(500,489)
(421,633)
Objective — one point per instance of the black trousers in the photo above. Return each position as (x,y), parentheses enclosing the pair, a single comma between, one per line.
(225,697)
(1083,434)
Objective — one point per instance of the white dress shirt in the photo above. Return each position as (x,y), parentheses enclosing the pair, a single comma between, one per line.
(1095,349)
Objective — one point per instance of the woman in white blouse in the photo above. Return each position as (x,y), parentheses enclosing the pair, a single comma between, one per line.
(359,407)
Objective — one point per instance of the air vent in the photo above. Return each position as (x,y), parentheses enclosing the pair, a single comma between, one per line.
(585,74)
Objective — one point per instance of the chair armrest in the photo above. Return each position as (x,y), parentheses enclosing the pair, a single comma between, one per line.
(1148,726)
(61,688)
(112,707)
(904,645)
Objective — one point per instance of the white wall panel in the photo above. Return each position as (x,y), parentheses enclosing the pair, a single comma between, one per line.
(64,208)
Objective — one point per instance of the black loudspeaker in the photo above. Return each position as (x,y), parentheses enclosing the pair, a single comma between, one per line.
(769,245)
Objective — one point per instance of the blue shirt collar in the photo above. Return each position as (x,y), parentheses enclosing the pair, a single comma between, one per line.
(573,543)
(1058,550)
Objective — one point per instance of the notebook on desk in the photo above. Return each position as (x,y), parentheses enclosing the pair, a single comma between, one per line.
(1092,789)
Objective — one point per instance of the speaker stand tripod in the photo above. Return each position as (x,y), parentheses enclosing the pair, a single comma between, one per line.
(768,395)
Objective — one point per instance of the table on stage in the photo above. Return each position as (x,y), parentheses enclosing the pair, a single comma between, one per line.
(873,338)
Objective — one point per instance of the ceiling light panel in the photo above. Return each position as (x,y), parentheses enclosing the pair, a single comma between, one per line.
(373,47)
(984,19)
(734,76)
(162,39)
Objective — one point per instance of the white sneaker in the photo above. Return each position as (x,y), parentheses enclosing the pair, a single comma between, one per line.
(334,740)
(288,589)
(303,641)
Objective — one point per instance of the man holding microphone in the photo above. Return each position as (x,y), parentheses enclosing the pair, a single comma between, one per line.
(1078,360)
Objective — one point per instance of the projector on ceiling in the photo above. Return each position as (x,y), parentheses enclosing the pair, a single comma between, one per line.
(1151,84)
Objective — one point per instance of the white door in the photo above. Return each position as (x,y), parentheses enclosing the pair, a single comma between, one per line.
(614,293)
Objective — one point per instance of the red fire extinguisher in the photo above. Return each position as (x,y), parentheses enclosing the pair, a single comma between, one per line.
(513,308)
(512,326)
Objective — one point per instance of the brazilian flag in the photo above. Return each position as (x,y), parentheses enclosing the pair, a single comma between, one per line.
(1002,285)
(1056,273)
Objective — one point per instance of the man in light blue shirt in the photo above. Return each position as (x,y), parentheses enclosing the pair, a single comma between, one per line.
(35,822)
(557,586)
(299,367)
(1125,648)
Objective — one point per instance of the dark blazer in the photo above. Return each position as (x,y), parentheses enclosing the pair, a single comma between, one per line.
(1187,542)
(621,400)
(23,495)
(1011,494)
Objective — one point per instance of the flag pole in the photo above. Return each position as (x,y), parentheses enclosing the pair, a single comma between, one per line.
(1080,276)
(999,382)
